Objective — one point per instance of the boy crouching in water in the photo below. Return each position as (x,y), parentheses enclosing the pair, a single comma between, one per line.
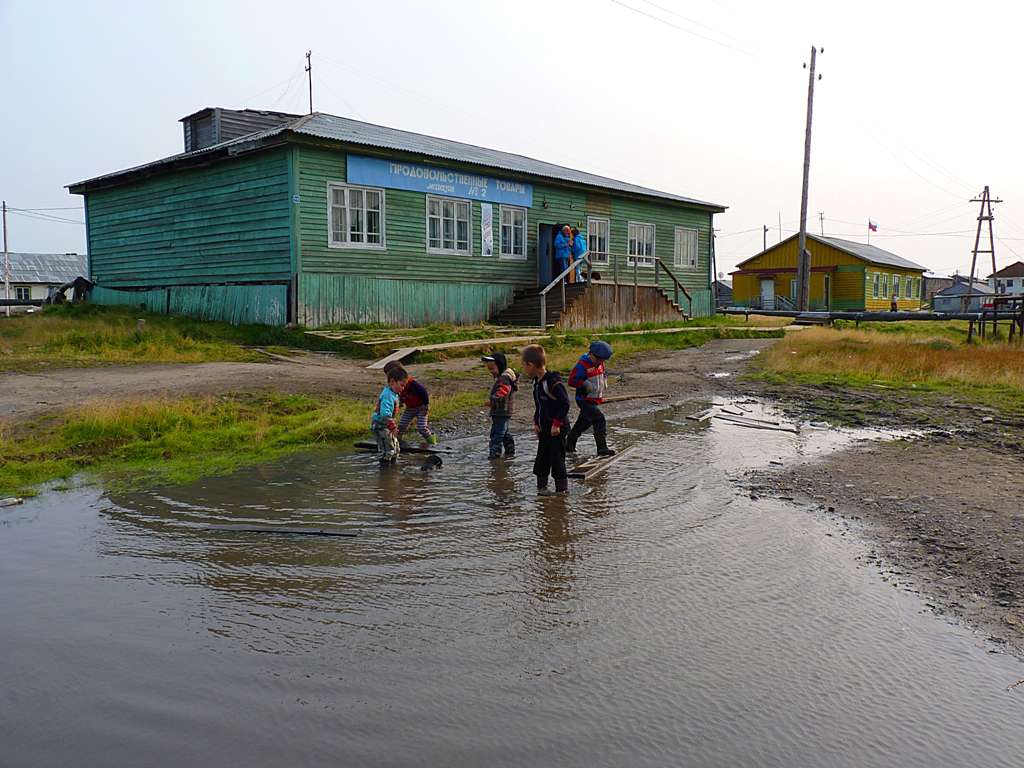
(382,423)
(589,379)
(550,417)
(502,391)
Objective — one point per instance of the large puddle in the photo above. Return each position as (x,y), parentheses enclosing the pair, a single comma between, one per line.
(657,617)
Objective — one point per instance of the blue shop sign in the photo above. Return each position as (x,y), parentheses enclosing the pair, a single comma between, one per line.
(395,174)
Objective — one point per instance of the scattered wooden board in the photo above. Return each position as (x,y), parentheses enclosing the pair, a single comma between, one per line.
(590,469)
(280,529)
(380,342)
(700,415)
(745,421)
(366,445)
(623,398)
(467,343)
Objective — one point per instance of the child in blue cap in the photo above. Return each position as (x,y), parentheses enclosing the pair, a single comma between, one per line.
(589,379)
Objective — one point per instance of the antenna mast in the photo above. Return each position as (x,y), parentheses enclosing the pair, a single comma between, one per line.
(309,69)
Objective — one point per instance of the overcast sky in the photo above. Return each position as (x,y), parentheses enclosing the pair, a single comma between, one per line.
(918,107)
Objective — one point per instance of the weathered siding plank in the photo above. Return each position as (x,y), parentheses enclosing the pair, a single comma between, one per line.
(226,222)
(236,304)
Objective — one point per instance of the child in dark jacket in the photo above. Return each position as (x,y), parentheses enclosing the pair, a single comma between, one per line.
(502,391)
(550,418)
(589,379)
(416,401)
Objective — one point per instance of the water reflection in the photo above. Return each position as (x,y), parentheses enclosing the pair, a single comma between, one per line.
(653,617)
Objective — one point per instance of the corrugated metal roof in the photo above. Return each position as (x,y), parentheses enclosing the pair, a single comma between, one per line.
(960,288)
(356,132)
(1013,270)
(56,268)
(868,252)
(332,127)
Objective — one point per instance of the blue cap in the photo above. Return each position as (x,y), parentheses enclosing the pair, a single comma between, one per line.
(601,349)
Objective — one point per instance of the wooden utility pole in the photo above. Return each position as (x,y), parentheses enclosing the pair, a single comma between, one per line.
(803,270)
(764,246)
(7,263)
(309,70)
(821,216)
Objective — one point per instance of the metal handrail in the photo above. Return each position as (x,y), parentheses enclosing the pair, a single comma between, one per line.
(559,281)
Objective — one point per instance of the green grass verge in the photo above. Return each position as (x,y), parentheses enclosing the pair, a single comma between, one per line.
(173,441)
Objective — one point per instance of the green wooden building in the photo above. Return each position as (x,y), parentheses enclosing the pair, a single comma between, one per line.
(272,218)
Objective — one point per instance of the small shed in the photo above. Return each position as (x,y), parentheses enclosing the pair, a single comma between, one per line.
(34,274)
(952,299)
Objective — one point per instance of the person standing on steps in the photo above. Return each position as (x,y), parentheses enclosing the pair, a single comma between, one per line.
(579,247)
(563,250)
(589,379)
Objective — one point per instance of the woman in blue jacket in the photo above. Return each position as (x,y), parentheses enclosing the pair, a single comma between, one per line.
(563,249)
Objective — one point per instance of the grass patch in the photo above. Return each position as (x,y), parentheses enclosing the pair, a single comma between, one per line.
(88,334)
(158,441)
(991,373)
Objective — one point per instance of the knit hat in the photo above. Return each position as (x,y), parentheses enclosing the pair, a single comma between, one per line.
(498,359)
(601,349)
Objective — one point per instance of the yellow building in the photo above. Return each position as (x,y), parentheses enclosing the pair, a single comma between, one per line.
(845,276)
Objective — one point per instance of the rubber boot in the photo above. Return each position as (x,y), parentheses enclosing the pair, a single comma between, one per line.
(561,485)
(601,438)
(572,437)
(542,487)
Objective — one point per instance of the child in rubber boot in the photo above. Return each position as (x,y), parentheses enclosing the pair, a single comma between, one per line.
(589,380)
(500,398)
(415,402)
(382,423)
(550,418)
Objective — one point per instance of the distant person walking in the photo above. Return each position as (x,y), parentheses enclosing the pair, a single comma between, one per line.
(563,250)
(579,247)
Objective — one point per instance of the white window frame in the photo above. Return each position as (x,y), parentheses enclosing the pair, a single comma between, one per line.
(896,286)
(642,261)
(511,256)
(676,256)
(27,288)
(876,285)
(469,235)
(346,243)
(600,257)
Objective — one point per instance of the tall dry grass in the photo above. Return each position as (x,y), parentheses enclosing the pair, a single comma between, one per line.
(865,356)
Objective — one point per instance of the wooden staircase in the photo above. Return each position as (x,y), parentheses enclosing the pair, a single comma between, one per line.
(525,307)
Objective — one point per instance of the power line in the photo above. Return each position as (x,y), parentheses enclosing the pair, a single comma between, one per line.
(58,208)
(694,21)
(40,217)
(683,29)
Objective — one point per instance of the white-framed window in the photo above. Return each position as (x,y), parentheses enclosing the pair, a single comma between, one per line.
(513,232)
(685,250)
(1009,283)
(895,286)
(598,236)
(355,216)
(885,286)
(920,283)
(22,292)
(641,244)
(908,287)
(449,226)
(875,285)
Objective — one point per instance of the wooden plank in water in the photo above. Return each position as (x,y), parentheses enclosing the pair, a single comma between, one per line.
(280,529)
(368,446)
(701,415)
(623,398)
(745,421)
(593,467)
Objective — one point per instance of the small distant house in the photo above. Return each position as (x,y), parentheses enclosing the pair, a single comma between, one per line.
(1008,280)
(723,293)
(318,219)
(34,274)
(845,276)
(934,284)
(955,298)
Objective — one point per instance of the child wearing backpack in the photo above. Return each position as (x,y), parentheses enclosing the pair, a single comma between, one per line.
(589,379)
(550,418)
(502,391)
